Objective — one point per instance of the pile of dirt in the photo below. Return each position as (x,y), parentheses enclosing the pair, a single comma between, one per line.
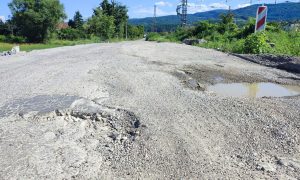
(283,62)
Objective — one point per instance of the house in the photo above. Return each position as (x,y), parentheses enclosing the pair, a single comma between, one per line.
(62,25)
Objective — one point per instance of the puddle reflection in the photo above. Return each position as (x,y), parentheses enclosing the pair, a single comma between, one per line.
(254,90)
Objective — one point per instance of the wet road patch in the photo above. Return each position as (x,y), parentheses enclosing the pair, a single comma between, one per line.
(254,90)
(40,104)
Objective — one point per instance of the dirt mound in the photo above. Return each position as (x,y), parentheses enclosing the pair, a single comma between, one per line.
(283,62)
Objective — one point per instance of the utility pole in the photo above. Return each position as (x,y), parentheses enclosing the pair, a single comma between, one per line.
(154,20)
(126,30)
(182,12)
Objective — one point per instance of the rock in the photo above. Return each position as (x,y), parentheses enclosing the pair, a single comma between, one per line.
(193,41)
(58,113)
(266,167)
(15,50)
(290,163)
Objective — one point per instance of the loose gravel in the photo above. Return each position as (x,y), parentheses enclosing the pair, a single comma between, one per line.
(140,110)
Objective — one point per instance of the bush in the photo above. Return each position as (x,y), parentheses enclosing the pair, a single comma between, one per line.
(70,34)
(256,44)
(162,37)
(135,32)
(12,39)
(2,38)
(152,36)
(247,29)
(285,42)
(204,29)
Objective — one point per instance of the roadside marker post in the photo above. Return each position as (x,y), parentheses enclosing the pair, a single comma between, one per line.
(261,18)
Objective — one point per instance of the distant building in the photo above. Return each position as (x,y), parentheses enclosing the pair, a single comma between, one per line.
(2,18)
(62,25)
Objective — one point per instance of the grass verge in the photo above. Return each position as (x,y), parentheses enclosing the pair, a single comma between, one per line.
(50,44)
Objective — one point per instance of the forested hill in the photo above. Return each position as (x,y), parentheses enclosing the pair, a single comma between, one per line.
(288,11)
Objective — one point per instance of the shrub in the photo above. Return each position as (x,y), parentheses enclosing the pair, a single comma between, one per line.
(70,34)
(152,36)
(12,39)
(2,38)
(256,44)
(247,29)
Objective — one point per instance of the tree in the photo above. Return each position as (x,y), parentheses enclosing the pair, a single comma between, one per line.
(135,31)
(119,12)
(36,19)
(121,18)
(101,25)
(4,28)
(204,29)
(106,8)
(77,21)
(227,23)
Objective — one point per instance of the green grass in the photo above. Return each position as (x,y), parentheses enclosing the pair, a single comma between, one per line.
(48,45)
(168,37)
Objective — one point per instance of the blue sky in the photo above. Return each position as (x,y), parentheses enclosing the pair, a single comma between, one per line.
(144,8)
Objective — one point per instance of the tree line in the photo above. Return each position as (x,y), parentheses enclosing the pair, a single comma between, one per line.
(37,21)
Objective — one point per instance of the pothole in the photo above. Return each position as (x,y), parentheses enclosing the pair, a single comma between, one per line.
(254,90)
(40,104)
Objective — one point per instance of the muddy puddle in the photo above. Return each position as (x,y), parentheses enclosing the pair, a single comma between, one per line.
(254,90)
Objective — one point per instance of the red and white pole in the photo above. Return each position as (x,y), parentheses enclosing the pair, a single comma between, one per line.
(261,18)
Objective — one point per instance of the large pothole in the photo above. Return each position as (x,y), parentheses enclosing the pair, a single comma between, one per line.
(81,141)
(232,83)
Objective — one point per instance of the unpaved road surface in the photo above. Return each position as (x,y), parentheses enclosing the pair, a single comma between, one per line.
(140,110)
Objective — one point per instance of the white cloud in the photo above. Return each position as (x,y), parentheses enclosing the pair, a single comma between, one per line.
(163,4)
(243,5)
(194,8)
(218,6)
(163,9)
(149,12)
(2,18)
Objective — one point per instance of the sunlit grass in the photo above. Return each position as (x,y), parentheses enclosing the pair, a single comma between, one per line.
(51,44)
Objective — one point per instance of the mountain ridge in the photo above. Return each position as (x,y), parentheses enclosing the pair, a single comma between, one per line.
(288,11)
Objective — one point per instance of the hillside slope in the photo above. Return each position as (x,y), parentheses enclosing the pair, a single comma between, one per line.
(279,12)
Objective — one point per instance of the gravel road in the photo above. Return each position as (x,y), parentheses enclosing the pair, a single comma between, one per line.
(140,110)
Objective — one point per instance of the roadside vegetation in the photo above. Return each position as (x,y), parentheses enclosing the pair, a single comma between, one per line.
(40,24)
(227,36)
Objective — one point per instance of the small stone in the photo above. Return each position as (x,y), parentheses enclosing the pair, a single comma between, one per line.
(58,113)
(266,167)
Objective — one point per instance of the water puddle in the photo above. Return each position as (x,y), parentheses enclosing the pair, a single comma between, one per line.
(254,90)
